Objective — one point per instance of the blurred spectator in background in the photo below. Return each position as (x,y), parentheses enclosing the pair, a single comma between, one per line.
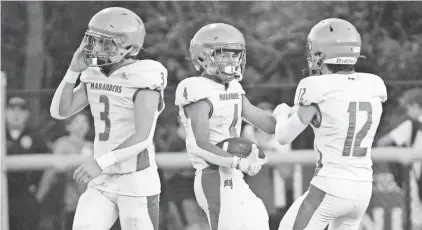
(58,191)
(409,134)
(270,183)
(22,185)
(170,137)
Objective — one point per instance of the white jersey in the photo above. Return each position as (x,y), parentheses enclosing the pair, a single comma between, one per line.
(350,107)
(112,105)
(225,117)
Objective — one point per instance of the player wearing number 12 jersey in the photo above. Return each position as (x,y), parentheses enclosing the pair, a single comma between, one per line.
(126,98)
(211,108)
(344,108)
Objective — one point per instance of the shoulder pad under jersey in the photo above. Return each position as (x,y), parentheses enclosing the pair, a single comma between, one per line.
(308,92)
(191,90)
(90,74)
(377,85)
(236,86)
(148,74)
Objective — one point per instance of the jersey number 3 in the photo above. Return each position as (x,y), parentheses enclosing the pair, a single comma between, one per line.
(357,150)
(104,117)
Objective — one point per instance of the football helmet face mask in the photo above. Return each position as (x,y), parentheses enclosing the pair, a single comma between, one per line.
(219,49)
(332,41)
(114,34)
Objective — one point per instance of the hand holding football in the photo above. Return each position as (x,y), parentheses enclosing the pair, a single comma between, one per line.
(240,147)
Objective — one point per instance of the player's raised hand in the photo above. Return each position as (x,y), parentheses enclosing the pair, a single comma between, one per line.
(79,63)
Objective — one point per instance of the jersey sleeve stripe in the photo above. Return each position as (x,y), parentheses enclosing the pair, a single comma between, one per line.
(211,107)
(86,90)
(317,120)
(319,163)
(161,102)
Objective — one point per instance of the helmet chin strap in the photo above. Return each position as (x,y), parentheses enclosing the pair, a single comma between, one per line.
(238,75)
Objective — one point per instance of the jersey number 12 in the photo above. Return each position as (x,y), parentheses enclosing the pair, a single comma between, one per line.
(357,150)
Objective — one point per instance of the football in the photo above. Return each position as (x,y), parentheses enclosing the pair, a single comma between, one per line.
(240,147)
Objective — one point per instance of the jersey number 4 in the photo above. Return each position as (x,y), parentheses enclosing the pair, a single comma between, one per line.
(232,128)
(357,150)
(104,117)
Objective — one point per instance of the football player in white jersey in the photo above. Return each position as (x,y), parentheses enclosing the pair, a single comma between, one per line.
(344,109)
(126,98)
(211,107)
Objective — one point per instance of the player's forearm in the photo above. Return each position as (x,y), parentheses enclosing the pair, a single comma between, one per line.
(63,97)
(131,147)
(213,154)
(123,153)
(131,141)
(288,128)
(266,123)
(260,119)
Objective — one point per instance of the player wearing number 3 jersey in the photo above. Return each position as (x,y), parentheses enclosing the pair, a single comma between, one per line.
(126,98)
(344,109)
(211,108)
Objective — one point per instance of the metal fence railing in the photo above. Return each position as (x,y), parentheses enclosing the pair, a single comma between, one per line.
(178,160)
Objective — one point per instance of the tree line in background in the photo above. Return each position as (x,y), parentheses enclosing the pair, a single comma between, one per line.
(39,38)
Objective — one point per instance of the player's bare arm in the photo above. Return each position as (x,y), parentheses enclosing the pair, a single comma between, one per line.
(70,101)
(146,105)
(291,123)
(198,115)
(145,108)
(67,99)
(258,117)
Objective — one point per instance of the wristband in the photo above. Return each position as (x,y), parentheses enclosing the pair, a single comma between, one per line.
(71,76)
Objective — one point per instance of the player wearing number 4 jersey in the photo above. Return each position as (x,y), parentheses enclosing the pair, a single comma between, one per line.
(211,109)
(126,98)
(344,108)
